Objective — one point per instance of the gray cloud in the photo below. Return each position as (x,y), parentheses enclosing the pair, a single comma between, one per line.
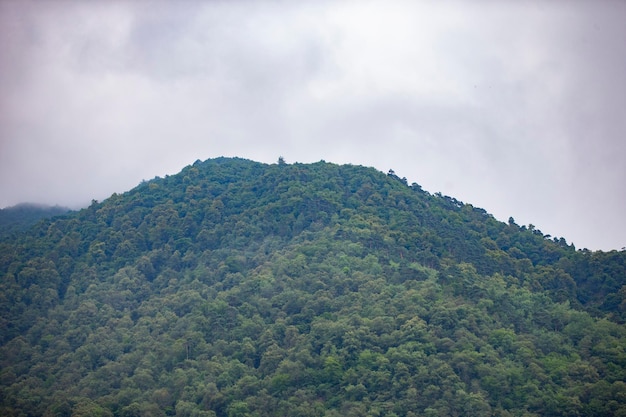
(517,108)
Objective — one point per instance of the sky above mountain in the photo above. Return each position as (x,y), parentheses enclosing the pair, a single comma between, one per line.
(515,107)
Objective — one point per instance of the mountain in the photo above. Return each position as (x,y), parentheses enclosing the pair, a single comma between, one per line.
(20,217)
(236,288)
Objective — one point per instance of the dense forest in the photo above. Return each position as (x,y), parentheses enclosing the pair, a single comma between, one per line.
(236,288)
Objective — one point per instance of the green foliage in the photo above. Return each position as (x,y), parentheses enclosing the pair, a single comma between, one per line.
(241,289)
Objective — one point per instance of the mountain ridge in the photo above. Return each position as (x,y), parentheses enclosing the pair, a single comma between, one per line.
(242,288)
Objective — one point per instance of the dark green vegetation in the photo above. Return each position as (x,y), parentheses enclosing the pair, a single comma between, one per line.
(241,289)
(19,218)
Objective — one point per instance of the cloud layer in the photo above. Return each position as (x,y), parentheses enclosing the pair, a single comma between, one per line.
(519,108)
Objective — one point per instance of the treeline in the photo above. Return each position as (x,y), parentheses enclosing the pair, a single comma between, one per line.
(242,289)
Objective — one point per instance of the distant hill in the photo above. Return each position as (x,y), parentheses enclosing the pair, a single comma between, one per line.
(236,288)
(22,216)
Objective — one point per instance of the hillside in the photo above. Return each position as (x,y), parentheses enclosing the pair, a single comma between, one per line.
(236,288)
(18,218)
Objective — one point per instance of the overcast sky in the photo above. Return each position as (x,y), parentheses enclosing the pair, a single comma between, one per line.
(517,107)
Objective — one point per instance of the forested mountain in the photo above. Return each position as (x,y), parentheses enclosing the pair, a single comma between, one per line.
(20,217)
(236,288)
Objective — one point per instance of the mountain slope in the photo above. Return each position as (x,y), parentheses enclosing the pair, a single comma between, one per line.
(20,217)
(238,288)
